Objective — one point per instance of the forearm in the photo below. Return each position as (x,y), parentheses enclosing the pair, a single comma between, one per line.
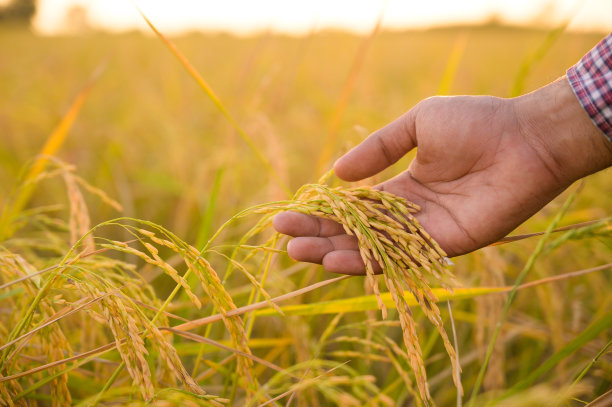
(556,125)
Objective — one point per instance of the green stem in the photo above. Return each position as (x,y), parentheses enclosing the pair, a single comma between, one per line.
(526,269)
(591,363)
(586,336)
(108,384)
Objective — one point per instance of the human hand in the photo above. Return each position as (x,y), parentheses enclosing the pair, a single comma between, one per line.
(483,166)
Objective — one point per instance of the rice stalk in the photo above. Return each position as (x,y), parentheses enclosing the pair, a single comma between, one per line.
(488,309)
(107,291)
(514,238)
(593,330)
(205,227)
(79,222)
(152,237)
(51,338)
(199,267)
(330,386)
(127,324)
(526,269)
(390,235)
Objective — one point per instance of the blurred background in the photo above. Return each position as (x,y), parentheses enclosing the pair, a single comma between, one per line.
(244,17)
(306,81)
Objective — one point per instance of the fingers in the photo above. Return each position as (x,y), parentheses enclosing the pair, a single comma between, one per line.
(321,241)
(347,262)
(381,149)
(337,254)
(314,249)
(298,224)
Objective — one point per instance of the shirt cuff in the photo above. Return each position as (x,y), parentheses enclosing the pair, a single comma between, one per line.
(591,81)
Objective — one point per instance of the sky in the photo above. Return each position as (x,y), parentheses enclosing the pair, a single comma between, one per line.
(295,17)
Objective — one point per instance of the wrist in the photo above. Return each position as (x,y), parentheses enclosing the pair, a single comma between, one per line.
(554,123)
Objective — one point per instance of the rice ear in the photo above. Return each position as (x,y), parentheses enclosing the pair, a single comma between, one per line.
(389,234)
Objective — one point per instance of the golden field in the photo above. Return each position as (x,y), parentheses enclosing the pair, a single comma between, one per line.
(152,140)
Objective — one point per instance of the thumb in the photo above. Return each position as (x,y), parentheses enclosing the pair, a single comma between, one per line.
(381,149)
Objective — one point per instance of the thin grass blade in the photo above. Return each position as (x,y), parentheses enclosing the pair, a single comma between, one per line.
(218,103)
(596,328)
(345,95)
(452,64)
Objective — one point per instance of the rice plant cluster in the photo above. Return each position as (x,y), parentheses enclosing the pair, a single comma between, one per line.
(116,309)
(200,305)
(390,237)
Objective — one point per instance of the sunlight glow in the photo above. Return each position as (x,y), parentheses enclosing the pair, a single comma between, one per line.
(243,17)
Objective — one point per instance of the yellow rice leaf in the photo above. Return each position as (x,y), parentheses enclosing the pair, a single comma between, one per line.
(452,64)
(53,143)
(368,302)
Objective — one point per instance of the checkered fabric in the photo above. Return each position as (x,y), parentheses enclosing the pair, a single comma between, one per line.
(591,79)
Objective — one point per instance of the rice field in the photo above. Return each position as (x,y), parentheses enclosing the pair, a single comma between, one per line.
(138,265)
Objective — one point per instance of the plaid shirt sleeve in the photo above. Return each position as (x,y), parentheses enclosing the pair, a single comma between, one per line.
(591,79)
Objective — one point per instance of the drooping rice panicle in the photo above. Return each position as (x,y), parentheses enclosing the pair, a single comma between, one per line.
(389,235)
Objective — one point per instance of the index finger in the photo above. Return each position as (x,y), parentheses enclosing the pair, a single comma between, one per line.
(381,149)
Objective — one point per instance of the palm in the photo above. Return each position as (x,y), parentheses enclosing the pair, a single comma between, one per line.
(476,177)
